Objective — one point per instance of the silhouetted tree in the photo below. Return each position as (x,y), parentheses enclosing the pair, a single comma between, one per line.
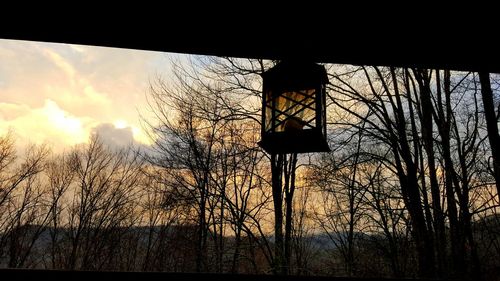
(492,124)
(200,146)
(22,214)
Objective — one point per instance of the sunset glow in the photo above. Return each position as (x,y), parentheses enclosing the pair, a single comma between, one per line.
(59,94)
(120,124)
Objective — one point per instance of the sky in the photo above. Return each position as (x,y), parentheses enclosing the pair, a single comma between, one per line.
(59,94)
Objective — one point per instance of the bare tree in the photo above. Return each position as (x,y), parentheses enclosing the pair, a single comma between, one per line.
(60,176)
(22,217)
(385,119)
(437,169)
(101,203)
(239,180)
(304,250)
(162,213)
(341,211)
(184,147)
(491,122)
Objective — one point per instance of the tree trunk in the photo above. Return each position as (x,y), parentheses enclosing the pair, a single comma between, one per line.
(409,185)
(236,254)
(200,248)
(457,254)
(276,170)
(492,124)
(289,191)
(427,134)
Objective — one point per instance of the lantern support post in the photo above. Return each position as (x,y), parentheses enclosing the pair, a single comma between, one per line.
(293,121)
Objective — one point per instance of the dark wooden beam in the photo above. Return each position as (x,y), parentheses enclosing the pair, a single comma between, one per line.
(383,40)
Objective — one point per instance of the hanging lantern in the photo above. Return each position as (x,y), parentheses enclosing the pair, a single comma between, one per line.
(293,108)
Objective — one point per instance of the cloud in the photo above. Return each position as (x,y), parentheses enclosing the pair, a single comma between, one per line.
(61,93)
(52,125)
(113,136)
(9,112)
(48,124)
(121,135)
(61,63)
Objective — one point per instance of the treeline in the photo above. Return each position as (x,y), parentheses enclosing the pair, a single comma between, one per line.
(408,190)
(98,208)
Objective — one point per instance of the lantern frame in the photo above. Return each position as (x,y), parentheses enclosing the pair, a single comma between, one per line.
(294,108)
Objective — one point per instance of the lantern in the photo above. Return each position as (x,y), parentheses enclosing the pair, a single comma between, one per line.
(293,108)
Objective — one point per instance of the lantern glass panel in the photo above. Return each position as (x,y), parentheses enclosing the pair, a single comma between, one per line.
(295,111)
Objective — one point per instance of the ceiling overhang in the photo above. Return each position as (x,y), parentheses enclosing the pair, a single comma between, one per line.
(363,49)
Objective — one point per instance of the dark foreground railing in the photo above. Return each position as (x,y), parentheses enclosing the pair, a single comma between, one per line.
(66,275)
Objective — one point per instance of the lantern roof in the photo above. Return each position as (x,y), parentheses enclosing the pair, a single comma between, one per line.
(294,74)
